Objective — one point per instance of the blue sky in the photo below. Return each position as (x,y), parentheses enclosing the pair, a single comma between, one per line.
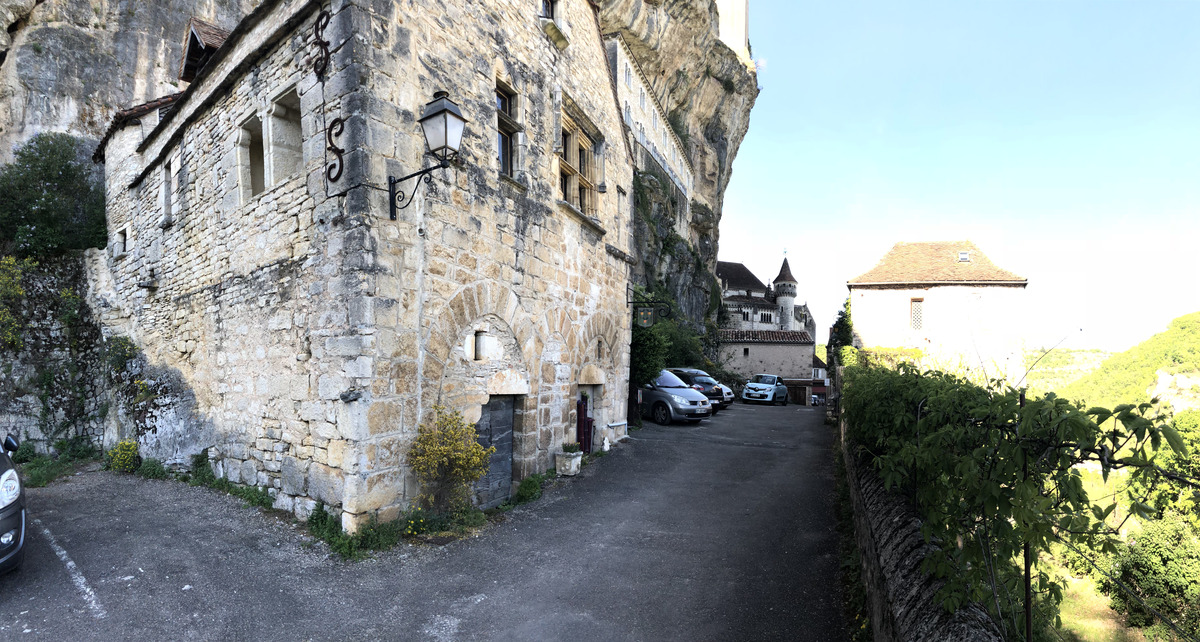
(1062,137)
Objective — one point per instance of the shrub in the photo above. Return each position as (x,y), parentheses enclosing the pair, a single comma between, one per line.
(1162,566)
(152,468)
(530,489)
(51,199)
(25,452)
(447,459)
(572,447)
(75,448)
(11,273)
(118,351)
(42,470)
(202,474)
(124,457)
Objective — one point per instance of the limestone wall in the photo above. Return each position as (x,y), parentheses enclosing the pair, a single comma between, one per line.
(55,385)
(790,361)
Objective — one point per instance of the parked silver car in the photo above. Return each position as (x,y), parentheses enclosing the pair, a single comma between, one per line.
(668,399)
(766,388)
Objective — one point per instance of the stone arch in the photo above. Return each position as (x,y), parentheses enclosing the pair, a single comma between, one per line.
(489,303)
(606,329)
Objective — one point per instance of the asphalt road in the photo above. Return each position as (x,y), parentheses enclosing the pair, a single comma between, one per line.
(718,531)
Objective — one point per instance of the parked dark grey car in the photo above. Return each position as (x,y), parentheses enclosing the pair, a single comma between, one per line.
(702,381)
(12,511)
(669,399)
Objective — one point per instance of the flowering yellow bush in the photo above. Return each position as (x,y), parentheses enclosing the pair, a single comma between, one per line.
(124,457)
(447,459)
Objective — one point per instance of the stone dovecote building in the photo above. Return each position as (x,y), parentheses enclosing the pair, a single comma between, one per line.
(947,299)
(301,335)
(766,331)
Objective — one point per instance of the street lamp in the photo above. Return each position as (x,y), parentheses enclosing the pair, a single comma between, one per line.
(443,124)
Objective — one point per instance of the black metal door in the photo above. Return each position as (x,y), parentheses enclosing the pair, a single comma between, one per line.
(495,429)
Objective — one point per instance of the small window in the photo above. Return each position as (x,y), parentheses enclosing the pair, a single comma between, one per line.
(507,129)
(628,76)
(168,194)
(964,257)
(764,317)
(745,315)
(643,99)
(284,138)
(548,7)
(479,340)
(745,352)
(628,113)
(251,170)
(120,243)
(916,313)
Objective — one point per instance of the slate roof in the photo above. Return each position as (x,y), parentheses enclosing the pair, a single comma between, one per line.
(798,337)
(127,116)
(936,262)
(736,276)
(759,301)
(785,274)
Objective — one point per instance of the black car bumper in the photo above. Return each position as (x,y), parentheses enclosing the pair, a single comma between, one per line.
(12,520)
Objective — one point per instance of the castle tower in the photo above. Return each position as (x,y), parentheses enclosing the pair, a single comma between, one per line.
(733,27)
(785,296)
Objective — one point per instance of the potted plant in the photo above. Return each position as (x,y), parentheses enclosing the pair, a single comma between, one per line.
(568,460)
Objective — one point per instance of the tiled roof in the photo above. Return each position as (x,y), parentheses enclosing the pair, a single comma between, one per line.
(785,274)
(817,363)
(736,276)
(750,300)
(765,336)
(936,262)
(209,37)
(126,116)
(209,34)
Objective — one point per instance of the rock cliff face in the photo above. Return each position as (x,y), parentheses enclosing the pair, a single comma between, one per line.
(708,93)
(69,65)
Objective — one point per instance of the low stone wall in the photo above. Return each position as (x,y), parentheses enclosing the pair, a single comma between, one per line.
(900,596)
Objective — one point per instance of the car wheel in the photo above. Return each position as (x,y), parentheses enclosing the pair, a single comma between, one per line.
(785,400)
(662,414)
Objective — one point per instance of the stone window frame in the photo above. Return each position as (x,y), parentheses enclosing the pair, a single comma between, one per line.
(628,76)
(553,22)
(169,190)
(916,313)
(765,317)
(745,352)
(269,144)
(120,243)
(578,180)
(509,124)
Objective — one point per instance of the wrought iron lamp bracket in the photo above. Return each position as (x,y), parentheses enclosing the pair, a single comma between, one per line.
(398,199)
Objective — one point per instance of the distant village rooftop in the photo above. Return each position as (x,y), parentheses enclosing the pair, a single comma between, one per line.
(736,276)
(940,262)
(765,336)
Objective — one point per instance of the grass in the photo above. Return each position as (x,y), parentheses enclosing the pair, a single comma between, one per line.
(39,470)
(1086,616)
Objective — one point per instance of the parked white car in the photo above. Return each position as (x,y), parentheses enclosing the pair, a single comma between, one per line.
(765,388)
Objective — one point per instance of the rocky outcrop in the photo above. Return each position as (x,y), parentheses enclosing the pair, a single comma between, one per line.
(708,92)
(69,65)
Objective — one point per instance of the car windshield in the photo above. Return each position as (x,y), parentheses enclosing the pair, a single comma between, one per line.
(668,380)
(767,379)
(708,381)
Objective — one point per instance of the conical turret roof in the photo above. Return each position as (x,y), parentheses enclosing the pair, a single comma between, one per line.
(785,274)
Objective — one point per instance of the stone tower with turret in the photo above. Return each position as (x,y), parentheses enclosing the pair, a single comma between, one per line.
(785,296)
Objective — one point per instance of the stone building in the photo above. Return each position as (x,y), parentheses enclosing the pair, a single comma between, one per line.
(948,300)
(766,331)
(302,335)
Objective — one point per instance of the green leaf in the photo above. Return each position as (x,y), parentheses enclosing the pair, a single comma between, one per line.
(1175,440)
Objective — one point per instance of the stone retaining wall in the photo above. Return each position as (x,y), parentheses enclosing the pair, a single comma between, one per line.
(900,596)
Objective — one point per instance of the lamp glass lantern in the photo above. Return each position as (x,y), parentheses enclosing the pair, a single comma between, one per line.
(443,126)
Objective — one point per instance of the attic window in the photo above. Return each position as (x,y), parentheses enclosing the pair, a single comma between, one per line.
(203,40)
(964,257)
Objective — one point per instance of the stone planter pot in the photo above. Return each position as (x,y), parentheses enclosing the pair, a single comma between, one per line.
(567,464)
